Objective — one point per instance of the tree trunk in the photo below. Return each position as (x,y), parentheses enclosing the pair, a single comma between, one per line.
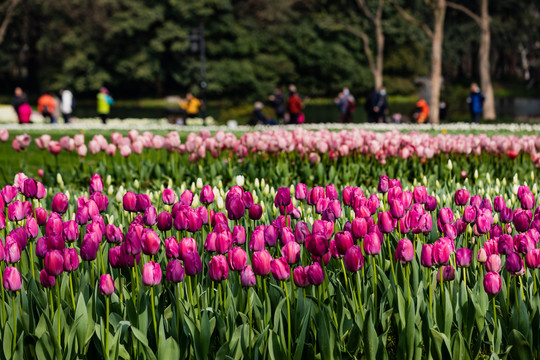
(436,60)
(484,63)
(378,73)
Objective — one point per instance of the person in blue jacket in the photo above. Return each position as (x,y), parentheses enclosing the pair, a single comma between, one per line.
(476,103)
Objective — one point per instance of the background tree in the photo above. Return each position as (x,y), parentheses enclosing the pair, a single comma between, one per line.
(484,64)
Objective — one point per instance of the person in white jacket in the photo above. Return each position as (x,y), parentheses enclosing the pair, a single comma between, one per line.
(66,104)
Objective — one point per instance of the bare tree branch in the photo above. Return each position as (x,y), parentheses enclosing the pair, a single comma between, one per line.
(413,20)
(365,9)
(7,19)
(465,10)
(379,9)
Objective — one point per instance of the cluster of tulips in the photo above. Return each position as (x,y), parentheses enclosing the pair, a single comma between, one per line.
(339,261)
(313,144)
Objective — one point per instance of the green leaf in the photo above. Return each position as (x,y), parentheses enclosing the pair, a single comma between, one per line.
(301,339)
(370,337)
(168,349)
(440,349)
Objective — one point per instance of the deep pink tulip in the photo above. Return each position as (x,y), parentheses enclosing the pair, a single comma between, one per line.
(255,212)
(280,269)
(31,228)
(426,256)
(261,262)
(386,222)
(207,195)
(300,277)
(514,264)
(89,247)
(151,275)
(372,244)
(172,248)
(291,252)
(237,258)
(54,262)
(344,241)
(70,231)
(420,194)
(150,216)
(235,207)
(499,203)
(383,185)
(187,245)
(106,284)
(150,242)
(492,282)
(8,193)
(41,216)
(168,196)
(315,194)
(12,251)
(461,197)
(16,211)
(354,260)
(96,184)
(404,251)
(247,198)
(301,191)
(463,257)
(317,244)
(60,203)
(532,259)
(12,279)
(130,201)
(218,269)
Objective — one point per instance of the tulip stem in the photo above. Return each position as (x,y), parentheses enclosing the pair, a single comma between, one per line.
(359,295)
(430,292)
(178,297)
(190,293)
(92,272)
(375,288)
(32,258)
(58,311)
(465,276)
(107,329)
(521,286)
(154,314)
(121,287)
(219,294)
(52,304)
(71,290)
(344,272)
(516,292)
(407,276)
(288,322)
(14,309)
(534,278)
(391,261)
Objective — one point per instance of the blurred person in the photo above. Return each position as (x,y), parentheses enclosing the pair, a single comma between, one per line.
(18,99)
(381,105)
(47,106)
(104,102)
(421,113)
(277,101)
(57,113)
(258,117)
(369,106)
(66,104)
(476,103)
(294,105)
(190,105)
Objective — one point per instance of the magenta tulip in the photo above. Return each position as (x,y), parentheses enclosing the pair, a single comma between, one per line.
(151,275)
(247,277)
(492,282)
(106,284)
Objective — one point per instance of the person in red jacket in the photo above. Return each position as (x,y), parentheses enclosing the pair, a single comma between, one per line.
(294,105)
(25,111)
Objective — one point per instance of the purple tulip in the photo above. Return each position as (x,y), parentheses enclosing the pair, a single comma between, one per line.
(426,256)
(522,220)
(420,194)
(506,215)
(47,281)
(498,204)
(89,247)
(71,259)
(129,201)
(235,207)
(192,263)
(186,197)
(255,212)
(315,274)
(431,203)
(383,185)
(448,273)
(372,244)
(247,277)
(461,197)
(317,244)
(514,264)
(344,241)
(174,272)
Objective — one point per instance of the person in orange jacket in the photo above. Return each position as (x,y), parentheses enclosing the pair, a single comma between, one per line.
(46,106)
(421,113)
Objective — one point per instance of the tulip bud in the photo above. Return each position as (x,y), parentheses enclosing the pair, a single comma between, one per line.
(261,262)
(354,259)
(217,268)
(492,283)
(54,262)
(315,274)
(151,274)
(247,277)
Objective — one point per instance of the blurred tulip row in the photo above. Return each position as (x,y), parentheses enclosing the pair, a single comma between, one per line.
(386,271)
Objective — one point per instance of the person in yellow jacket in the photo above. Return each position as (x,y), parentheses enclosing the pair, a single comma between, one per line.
(190,105)
(104,102)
